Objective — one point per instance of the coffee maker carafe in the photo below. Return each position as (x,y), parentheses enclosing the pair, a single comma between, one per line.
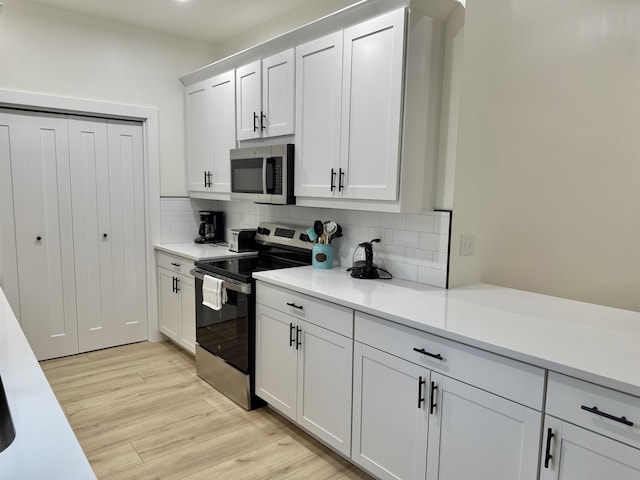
(211,229)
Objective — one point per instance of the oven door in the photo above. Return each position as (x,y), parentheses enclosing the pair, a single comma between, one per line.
(227,333)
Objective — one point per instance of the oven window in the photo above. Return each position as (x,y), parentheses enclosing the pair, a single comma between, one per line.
(246,175)
(225,332)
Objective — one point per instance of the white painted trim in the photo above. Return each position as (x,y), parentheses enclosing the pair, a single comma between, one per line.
(149,118)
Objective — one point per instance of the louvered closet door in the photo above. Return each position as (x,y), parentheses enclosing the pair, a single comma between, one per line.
(108,220)
(39,158)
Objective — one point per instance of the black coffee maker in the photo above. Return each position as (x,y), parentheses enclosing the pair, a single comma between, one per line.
(212,227)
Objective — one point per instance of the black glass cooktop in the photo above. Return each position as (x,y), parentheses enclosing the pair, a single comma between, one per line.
(242,268)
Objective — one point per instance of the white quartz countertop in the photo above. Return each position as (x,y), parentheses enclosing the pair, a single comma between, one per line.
(196,251)
(44,447)
(592,342)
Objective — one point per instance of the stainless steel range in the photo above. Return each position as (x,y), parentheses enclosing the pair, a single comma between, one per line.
(225,339)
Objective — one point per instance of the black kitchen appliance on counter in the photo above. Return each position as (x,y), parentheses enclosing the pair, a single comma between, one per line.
(211,227)
(225,339)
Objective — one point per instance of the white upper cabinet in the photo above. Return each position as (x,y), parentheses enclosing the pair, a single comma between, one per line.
(349,90)
(318,112)
(210,133)
(265,97)
(372,77)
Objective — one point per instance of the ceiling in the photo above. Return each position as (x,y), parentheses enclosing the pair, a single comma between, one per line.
(210,20)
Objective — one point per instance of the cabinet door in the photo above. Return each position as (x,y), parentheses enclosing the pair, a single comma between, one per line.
(222,93)
(198,135)
(39,157)
(186,286)
(390,414)
(324,385)
(497,439)
(126,239)
(249,101)
(576,453)
(169,303)
(276,359)
(278,83)
(90,183)
(318,105)
(372,106)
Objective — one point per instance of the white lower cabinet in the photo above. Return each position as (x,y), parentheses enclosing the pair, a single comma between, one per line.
(176,300)
(410,421)
(304,370)
(495,438)
(590,432)
(390,414)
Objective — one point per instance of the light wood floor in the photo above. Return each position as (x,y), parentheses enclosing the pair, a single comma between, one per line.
(141,412)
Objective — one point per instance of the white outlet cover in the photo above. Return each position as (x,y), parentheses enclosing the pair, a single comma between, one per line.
(466,244)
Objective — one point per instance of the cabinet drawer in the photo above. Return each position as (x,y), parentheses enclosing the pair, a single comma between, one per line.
(517,381)
(566,397)
(174,263)
(324,314)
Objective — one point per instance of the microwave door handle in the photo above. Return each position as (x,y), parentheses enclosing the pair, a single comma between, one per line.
(264,174)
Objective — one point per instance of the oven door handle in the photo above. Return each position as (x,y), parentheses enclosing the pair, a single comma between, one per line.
(233,285)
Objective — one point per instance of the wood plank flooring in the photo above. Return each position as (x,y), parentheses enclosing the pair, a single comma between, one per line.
(141,412)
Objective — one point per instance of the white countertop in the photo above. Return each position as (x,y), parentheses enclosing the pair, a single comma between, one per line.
(200,251)
(592,342)
(45,447)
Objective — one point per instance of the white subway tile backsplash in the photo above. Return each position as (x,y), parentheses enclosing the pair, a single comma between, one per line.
(413,246)
(421,258)
(435,242)
(405,238)
(420,223)
(432,276)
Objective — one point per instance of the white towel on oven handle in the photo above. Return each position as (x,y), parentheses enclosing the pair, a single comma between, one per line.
(214,293)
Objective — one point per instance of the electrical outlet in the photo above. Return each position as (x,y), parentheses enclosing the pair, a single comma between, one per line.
(466,244)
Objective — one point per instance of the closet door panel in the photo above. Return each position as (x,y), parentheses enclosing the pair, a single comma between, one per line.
(90,191)
(126,180)
(43,227)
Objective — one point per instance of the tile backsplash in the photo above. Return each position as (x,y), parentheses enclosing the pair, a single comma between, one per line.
(412,246)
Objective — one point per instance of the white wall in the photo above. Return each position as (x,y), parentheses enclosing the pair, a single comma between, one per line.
(548,168)
(51,51)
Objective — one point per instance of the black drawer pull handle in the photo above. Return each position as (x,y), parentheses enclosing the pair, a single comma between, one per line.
(291,335)
(432,401)
(424,352)
(421,383)
(298,342)
(547,454)
(291,304)
(175,264)
(606,415)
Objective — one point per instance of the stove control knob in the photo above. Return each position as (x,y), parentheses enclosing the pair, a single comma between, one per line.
(304,237)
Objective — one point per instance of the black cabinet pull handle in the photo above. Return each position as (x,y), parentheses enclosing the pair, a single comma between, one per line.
(263,124)
(298,342)
(595,411)
(333,179)
(175,264)
(291,335)
(421,383)
(38,238)
(173,284)
(177,285)
(255,119)
(432,399)
(424,352)
(547,454)
(205,178)
(340,180)
(291,304)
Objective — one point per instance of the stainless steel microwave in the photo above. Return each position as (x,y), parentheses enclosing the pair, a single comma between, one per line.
(263,174)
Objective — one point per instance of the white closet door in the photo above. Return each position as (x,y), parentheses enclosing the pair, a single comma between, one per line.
(127,235)
(91,227)
(39,158)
